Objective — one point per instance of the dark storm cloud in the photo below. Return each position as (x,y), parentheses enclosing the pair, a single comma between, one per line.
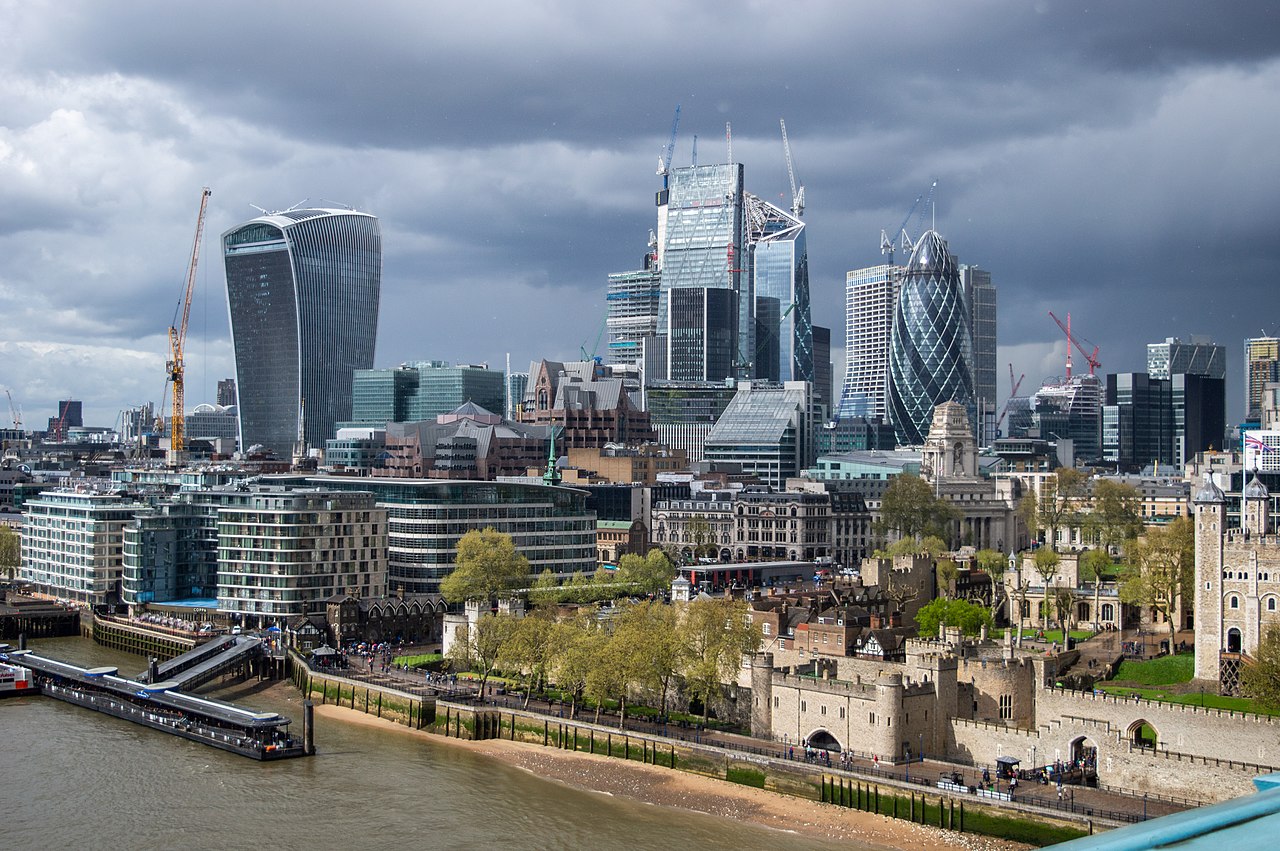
(1112,162)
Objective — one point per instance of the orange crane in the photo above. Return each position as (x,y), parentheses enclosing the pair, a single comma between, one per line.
(1073,340)
(178,338)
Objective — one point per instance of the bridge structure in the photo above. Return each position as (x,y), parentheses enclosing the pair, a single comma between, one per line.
(162,705)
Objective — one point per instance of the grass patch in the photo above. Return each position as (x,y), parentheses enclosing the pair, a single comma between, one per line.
(745,777)
(420,660)
(1167,670)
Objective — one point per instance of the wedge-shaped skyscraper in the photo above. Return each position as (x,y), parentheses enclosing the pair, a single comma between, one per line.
(931,351)
(302,290)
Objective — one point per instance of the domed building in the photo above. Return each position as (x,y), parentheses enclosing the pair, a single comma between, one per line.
(931,349)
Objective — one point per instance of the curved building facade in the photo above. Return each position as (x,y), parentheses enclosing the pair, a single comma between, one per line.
(931,350)
(303,288)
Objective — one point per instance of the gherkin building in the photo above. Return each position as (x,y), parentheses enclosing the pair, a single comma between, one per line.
(931,349)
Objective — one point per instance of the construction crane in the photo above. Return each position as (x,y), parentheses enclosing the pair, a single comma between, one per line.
(1074,340)
(178,338)
(888,244)
(797,195)
(1013,391)
(664,156)
(13,410)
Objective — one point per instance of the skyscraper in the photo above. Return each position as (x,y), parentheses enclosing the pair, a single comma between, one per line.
(1261,366)
(980,297)
(302,291)
(931,348)
(871,296)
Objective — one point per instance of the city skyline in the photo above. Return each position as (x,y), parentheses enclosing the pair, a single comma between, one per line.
(1080,159)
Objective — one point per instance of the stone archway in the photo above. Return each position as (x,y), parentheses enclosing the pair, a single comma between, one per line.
(823,741)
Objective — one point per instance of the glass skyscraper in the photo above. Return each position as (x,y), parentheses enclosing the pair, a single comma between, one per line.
(302,290)
(931,350)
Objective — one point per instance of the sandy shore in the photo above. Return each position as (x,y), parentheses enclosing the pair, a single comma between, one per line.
(664,787)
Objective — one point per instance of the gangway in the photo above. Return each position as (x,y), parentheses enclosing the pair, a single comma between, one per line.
(211,659)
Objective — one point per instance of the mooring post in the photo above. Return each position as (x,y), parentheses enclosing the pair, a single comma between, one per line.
(308,727)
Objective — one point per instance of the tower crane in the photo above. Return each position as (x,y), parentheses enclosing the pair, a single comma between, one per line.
(797,195)
(1074,340)
(664,156)
(178,338)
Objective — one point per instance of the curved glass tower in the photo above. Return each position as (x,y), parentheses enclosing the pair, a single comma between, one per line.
(302,290)
(931,350)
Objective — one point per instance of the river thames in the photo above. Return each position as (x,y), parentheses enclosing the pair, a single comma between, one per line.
(74,778)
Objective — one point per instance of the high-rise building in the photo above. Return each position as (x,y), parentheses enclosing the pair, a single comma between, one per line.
(871,297)
(931,348)
(632,313)
(1199,357)
(780,270)
(980,297)
(703,244)
(227,392)
(702,333)
(303,288)
(1261,366)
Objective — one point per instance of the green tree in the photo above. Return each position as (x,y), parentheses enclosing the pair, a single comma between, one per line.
(910,508)
(487,565)
(1161,571)
(717,633)
(1116,517)
(1060,504)
(969,616)
(1260,678)
(1046,562)
(650,574)
(992,563)
(479,648)
(10,551)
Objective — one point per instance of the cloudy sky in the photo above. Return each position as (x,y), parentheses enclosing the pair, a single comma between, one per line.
(1117,161)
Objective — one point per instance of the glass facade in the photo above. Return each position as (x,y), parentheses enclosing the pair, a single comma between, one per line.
(931,349)
(303,290)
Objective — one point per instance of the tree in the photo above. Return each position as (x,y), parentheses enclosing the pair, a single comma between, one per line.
(717,633)
(1060,503)
(966,614)
(650,574)
(1260,678)
(992,563)
(10,551)
(487,564)
(480,648)
(1046,562)
(1161,571)
(910,508)
(1094,566)
(1116,517)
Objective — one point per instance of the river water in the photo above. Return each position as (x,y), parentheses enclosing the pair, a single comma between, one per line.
(71,778)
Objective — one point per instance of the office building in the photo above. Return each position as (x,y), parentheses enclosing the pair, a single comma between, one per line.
(931,347)
(780,271)
(422,390)
(702,334)
(871,297)
(980,297)
(769,430)
(227,392)
(550,526)
(632,299)
(1201,356)
(702,242)
(303,289)
(1261,366)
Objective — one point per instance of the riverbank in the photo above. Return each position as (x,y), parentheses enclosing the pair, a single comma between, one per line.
(663,787)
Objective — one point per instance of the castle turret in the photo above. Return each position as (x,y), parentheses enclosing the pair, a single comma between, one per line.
(1211,520)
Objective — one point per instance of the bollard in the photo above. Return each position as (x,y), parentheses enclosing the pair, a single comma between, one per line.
(308,727)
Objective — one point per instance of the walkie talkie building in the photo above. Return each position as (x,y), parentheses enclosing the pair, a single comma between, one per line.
(302,290)
(931,351)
